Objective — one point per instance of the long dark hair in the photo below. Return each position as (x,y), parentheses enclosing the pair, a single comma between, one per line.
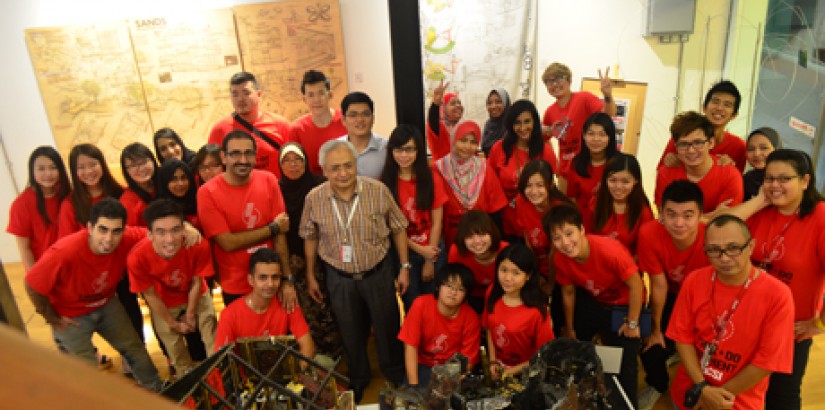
(582,160)
(424,187)
(189,202)
(136,152)
(63,186)
(535,146)
(187,154)
(544,170)
(81,198)
(636,200)
(530,293)
(213,150)
(801,163)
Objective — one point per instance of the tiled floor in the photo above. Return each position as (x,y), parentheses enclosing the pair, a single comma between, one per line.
(813,395)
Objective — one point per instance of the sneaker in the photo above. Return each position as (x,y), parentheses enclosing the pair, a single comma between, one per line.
(648,398)
(104,362)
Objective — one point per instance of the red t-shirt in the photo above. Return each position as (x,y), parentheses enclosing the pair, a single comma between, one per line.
(793,250)
(238,321)
(659,256)
(731,145)
(616,228)
(437,337)
(719,185)
(604,272)
(25,221)
(77,281)
(517,331)
(583,190)
(508,174)
(483,275)
(67,224)
(581,106)
(223,208)
(760,332)
(311,137)
(490,200)
(134,207)
(531,228)
(439,143)
(420,222)
(272,125)
(172,278)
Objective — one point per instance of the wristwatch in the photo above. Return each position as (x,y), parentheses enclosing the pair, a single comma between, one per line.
(694,393)
(274,229)
(406,266)
(632,324)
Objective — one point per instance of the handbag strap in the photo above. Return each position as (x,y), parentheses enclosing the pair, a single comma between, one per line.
(256,131)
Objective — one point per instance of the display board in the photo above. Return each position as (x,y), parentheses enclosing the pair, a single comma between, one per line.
(280,41)
(111,84)
(630,107)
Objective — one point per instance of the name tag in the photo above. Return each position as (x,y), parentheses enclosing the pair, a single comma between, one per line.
(346,253)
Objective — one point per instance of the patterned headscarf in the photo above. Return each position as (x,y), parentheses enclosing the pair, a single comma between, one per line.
(464,176)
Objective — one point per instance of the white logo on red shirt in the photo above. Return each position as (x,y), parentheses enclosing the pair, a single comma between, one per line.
(251,215)
(174,279)
(591,286)
(438,344)
(775,251)
(99,284)
(677,274)
(500,335)
(534,237)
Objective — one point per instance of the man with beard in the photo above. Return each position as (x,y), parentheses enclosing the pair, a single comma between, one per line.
(242,210)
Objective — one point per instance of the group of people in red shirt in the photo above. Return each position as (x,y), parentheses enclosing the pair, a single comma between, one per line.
(490,239)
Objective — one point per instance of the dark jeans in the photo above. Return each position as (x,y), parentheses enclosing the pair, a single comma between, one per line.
(417,286)
(359,304)
(784,389)
(592,318)
(654,360)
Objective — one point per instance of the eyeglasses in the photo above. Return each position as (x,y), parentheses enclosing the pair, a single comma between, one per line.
(782,179)
(554,81)
(138,164)
(732,251)
(685,145)
(405,150)
(291,161)
(236,155)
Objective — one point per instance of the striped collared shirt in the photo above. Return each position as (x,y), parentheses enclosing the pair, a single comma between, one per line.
(375,218)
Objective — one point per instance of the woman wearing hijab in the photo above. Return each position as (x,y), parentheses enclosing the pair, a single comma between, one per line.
(295,183)
(760,143)
(442,119)
(498,103)
(177,182)
(469,182)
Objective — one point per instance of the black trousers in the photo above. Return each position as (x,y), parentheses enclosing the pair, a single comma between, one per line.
(359,304)
(654,360)
(592,318)
(784,389)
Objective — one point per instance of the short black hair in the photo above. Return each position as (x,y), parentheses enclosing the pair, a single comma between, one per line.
(356,97)
(455,270)
(263,255)
(313,77)
(724,87)
(161,208)
(237,135)
(560,215)
(243,77)
(725,219)
(476,222)
(107,208)
(682,191)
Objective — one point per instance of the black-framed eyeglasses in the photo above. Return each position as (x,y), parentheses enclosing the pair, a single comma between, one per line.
(237,154)
(405,150)
(732,251)
(685,145)
(782,179)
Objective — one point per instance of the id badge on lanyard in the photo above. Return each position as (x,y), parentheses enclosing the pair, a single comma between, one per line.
(345,248)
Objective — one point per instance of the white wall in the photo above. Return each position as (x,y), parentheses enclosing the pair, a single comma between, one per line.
(588,35)
(23,121)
